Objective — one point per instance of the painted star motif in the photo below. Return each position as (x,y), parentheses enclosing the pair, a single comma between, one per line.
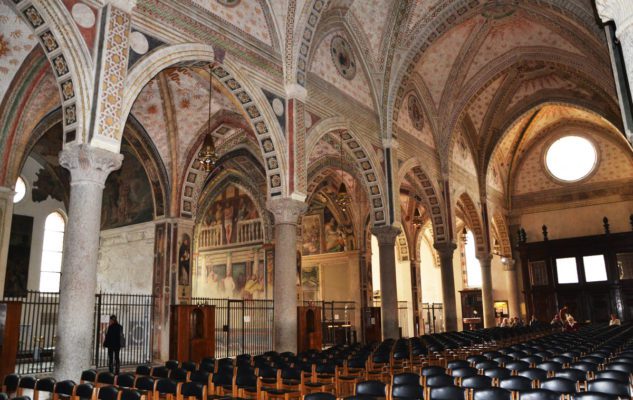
(4,46)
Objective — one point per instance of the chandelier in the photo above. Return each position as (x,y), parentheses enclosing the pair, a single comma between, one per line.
(207,156)
(417,218)
(343,199)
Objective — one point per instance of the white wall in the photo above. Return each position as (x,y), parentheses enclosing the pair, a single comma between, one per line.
(39,211)
(430,276)
(126,258)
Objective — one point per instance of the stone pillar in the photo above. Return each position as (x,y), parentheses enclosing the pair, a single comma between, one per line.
(446,250)
(386,236)
(620,12)
(89,167)
(416,288)
(286,212)
(514,308)
(6,215)
(485,261)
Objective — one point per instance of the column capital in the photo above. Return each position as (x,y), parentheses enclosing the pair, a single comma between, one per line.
(508,264)
(6,193)
(386,234)
(484,260)
(286,210)
(619,11)
(445,249)
(89,164)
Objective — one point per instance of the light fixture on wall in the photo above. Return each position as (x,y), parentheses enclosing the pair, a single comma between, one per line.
(343,199)
(207,156)
(465,236)
(417,218)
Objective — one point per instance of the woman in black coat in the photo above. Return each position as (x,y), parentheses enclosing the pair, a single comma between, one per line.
(112,342)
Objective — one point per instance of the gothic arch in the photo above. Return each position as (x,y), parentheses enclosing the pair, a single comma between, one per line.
(69,58)
(499,222)
(364,158)
(261,118)
(474,221)
(308,20)
(450,14)
(426,191)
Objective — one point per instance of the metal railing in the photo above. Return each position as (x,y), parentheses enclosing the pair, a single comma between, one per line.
(432,314)
(241,326)
(38,331)
(337,318)
(134,313)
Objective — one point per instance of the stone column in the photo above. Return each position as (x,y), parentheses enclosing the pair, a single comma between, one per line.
(514,308)
(416,288)
(386,236)
(6,215)
(446,250)
(286,212)
(620,12)
(89,167)
(485,261)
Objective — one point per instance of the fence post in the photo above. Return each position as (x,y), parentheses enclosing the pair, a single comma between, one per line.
(97,327)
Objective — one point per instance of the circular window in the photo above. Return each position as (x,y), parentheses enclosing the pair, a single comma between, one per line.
(20,190)
(571,158)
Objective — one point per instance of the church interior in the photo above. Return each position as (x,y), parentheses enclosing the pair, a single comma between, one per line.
(248,177)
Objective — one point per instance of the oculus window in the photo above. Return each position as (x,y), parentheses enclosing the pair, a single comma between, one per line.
(53,248)
(20,190)
(595,268)
(571,158)
(566,270)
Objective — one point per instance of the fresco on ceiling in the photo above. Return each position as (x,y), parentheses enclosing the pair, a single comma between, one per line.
(322,233)
(232,218)
(127,197)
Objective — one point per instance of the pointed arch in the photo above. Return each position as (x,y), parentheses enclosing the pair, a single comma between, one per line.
(474,220)
(363,157)
(263,122)
(499,222)
(428,194)
(69,57)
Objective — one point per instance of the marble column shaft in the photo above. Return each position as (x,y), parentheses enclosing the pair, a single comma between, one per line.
(386,236)
(445,251)
(485,262)
(286,212)
(89,168)
(514,308)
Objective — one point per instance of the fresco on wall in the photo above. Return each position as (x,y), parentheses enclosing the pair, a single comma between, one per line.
(322,233)
(240,280)
(228,209)
(184,260)
(15,284)
(334,236)
(127,197)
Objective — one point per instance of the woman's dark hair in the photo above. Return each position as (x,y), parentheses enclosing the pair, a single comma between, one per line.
(113,317)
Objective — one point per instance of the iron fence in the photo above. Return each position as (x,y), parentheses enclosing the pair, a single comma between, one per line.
(241,326)
(432,314)
(338,321)
(38,330)
(134,313)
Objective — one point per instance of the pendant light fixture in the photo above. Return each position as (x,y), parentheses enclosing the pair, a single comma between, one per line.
(207,156)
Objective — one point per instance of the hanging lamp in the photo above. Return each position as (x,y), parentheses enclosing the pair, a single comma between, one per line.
(207,157)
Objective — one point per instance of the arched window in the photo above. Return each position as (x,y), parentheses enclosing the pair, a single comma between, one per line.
(20,190)
(52,252)
(473,269)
